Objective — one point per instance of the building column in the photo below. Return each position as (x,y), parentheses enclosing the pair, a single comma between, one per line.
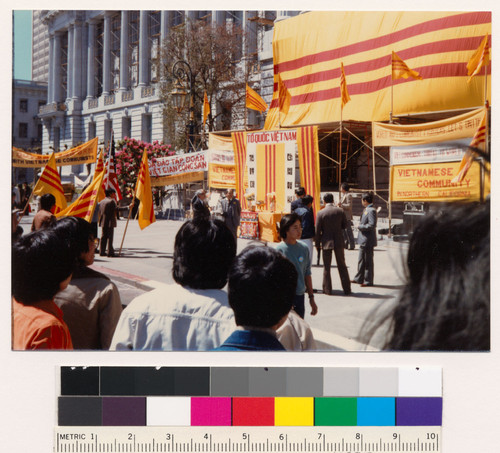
(250,35)
(106,66)
(165,25)
(57,68)
(70,62)
(124,79)
(143,49)
(50,84)
(77,61)
(91,61)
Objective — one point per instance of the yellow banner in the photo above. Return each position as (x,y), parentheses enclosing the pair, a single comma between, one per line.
(220,142)
(271,174)
(177,179)
(221,176)
(455,128)
(81,154)
(308,52)
(432,182)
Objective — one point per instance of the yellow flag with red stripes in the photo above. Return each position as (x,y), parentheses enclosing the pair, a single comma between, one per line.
(86,203)
(99,168)
(144,193)
(254,101)
(50,182)
(478,141)
(480,58)
(344,94)
(206,107)
(401,70)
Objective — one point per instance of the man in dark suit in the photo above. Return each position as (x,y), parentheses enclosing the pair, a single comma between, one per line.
(231,211)
(199,205)
(107,220)
(299,194)
(330,223)
(367,240)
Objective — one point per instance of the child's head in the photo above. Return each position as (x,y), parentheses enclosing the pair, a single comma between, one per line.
(262,286)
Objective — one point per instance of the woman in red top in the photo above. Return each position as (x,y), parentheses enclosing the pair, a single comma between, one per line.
(42,265)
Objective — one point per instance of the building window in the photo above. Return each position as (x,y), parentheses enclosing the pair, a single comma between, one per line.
(41,104)
(133,48)
(177,18)
(154,44)
(126,127)
(115,52)
(39,132)
(108,126)
(99,58)
(23,105)
(64,67)
(92,130)
(23,130)
(146,128)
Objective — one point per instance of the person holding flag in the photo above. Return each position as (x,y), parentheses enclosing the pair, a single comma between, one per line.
(50,182)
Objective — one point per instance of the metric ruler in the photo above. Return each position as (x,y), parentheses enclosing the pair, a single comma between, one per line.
(348,439)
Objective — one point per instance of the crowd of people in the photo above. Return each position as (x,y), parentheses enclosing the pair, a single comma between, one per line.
(60,302)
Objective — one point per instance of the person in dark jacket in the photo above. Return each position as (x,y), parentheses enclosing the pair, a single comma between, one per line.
(330,224)
(300,193)
(367,240)
(306,214)
(199,205)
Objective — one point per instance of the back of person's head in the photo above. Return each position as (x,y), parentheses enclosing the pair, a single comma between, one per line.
(307,200)
(47,200)
(261,287)
(300,191)
(286,222)
(76,232)
(328,197)
(40,262)
(203,251)
(110,191)
(445,304)
(368,197)
(345,186)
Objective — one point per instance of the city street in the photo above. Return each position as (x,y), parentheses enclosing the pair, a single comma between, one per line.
(146,262)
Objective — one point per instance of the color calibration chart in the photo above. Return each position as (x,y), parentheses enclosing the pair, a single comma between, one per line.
(249,409)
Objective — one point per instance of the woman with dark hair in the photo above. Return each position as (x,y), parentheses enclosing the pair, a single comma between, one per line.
(445,303)
(290,231)
(91,303)
(41,267)
(192,314)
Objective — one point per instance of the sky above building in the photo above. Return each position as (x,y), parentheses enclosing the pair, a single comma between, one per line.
(22,44)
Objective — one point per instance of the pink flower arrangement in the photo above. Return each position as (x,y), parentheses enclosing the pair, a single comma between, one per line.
(128,158)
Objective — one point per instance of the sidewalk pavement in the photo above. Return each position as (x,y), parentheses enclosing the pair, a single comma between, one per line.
(146,263)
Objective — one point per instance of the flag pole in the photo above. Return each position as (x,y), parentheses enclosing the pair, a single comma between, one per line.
(126,225)
(340,151)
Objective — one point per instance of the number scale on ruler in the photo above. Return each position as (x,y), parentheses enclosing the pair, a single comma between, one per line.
(349,439)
